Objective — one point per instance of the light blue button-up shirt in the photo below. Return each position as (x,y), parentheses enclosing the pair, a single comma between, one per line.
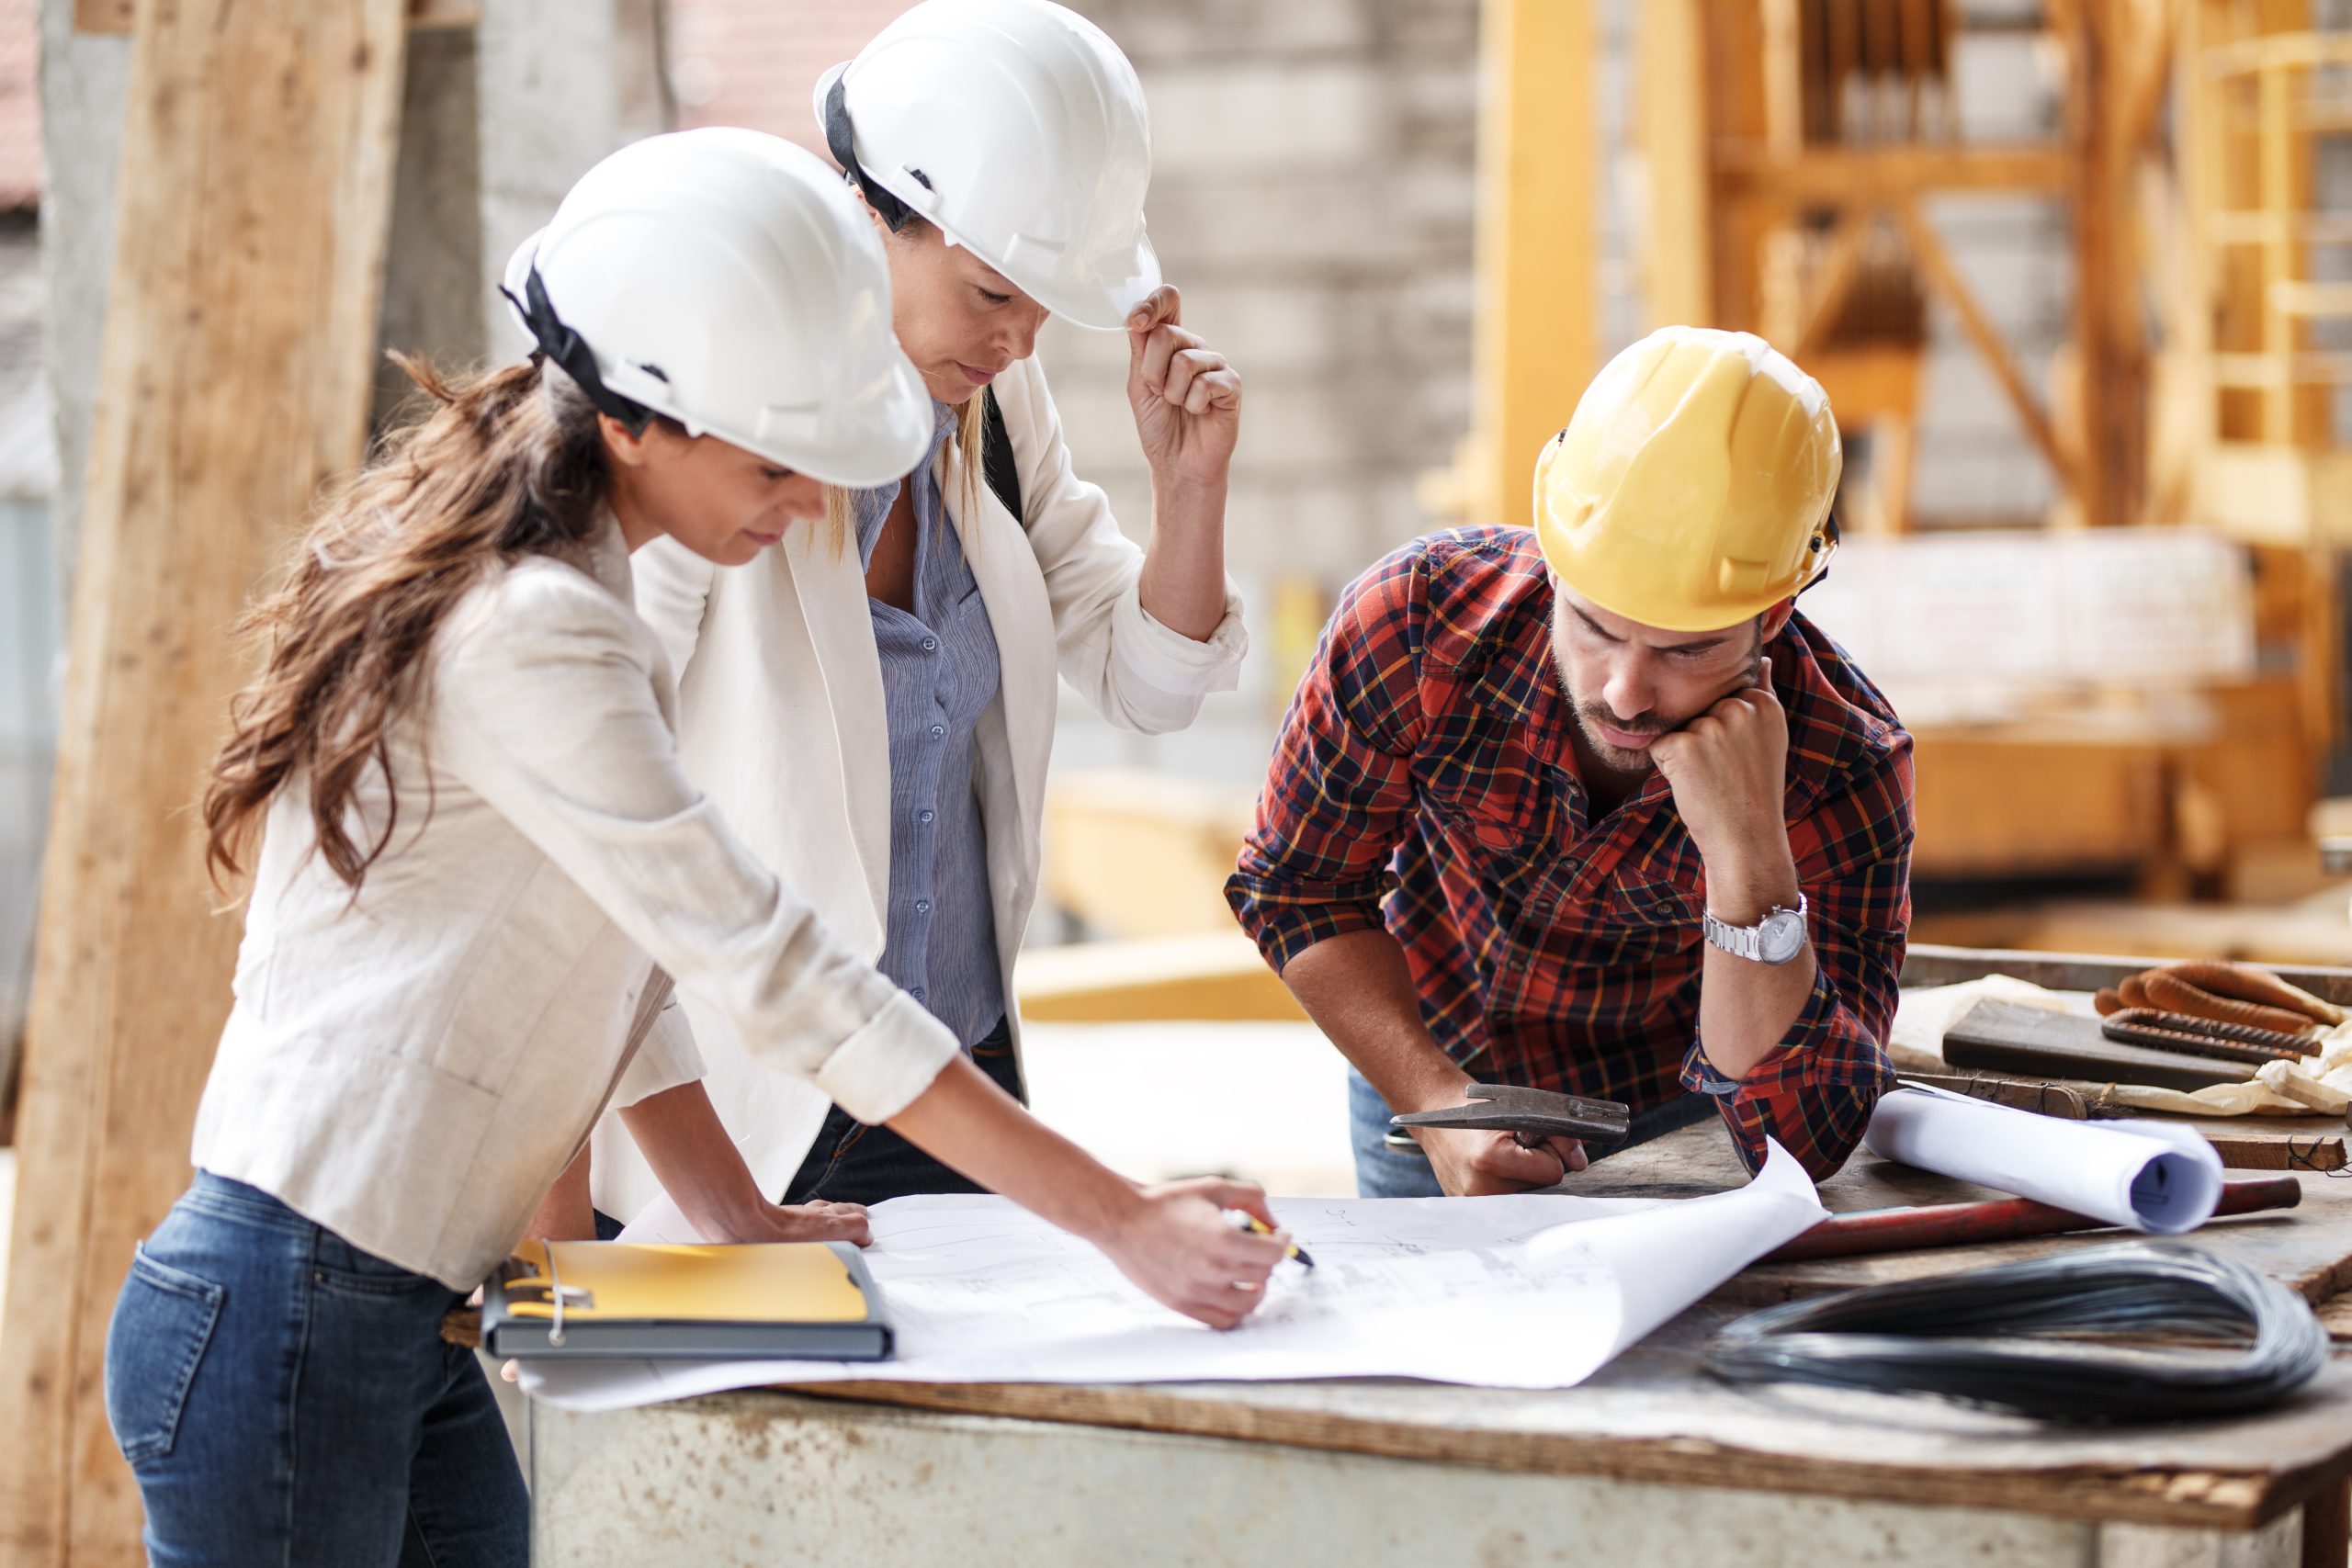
(940,672)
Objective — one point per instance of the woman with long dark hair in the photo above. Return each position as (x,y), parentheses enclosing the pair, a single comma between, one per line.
(474,843)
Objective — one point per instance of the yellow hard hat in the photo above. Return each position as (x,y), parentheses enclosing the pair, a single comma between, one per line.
(1692,488)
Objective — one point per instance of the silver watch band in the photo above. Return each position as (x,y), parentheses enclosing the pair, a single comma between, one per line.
(1748,942)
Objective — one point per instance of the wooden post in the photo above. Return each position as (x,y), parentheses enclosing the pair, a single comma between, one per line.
(1538,174)
(235,375)
(2110,341)
(1670,101)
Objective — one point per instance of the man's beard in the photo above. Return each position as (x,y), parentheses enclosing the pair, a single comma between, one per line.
(1617,759)
(1634,763)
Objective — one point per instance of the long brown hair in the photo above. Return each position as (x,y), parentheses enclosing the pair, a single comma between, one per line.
(502,463)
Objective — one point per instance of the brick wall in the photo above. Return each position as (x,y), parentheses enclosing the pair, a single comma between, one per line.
(753,62)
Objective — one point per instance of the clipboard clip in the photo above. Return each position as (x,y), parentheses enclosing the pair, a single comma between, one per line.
(554,1293)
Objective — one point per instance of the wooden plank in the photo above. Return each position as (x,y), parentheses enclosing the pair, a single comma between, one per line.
(235,375)
(2007,1037)
(2041,1097)
(2319,1154)
(1537,334)
(1215,975)
(1931,964)
(1846,176)
(2279,52)
(2312,936)
(115,16)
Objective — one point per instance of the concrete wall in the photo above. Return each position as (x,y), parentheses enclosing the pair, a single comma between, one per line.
(1311,197)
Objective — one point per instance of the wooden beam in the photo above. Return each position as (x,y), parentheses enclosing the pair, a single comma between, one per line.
(1849,177)
(2109,341)
(1216,975)
(1674,120)
(1835,283)
(1929,964)
(115,16)
(235,375)
(1537,340)
(1936,263)
(2278,52)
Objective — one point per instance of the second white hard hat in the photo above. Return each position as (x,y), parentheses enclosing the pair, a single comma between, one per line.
(725,278)
(1018,129)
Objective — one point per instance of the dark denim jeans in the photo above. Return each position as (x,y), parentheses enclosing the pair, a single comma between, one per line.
(285,1398)
(1385,1172)
(852,1163)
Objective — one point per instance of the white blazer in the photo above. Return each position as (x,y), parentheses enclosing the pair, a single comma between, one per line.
(780,723)
(412,1068)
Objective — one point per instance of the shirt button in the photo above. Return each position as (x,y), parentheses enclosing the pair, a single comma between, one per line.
(925,816)
(916,993)
(938,732)
(922,905)
(931,645)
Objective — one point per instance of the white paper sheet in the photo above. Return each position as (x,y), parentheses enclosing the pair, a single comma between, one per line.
(2150,1175)
(1526,1291)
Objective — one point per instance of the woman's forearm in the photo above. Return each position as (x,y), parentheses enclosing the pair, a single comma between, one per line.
(1182,586)
(967,1122)
(683,1140)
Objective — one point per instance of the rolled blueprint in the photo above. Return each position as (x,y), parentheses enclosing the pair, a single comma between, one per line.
(2145,1175)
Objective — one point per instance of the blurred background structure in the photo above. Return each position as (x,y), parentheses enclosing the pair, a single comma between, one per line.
(2077,275)
(1940,208)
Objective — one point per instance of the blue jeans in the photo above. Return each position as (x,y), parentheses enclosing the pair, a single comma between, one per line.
(1385,1172)
(285,1399)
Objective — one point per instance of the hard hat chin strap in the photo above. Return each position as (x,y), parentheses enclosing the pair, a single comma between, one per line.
(571,352)
(841,142)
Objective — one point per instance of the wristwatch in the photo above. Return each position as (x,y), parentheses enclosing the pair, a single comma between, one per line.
(1776,939)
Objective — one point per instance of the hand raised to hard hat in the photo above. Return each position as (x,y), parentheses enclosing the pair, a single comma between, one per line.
(1186,398)
(1728,771)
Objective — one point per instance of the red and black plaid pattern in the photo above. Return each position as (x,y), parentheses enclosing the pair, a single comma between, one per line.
(1424,779)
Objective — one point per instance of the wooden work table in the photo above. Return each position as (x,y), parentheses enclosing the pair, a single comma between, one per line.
(1647,1462)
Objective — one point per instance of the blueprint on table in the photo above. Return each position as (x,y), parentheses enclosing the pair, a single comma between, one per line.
(1535,1290)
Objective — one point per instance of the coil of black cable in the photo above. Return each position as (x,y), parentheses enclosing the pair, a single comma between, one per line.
(2017,1338)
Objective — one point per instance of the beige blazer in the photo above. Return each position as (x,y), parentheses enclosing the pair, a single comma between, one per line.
(413,1069)
(781,721)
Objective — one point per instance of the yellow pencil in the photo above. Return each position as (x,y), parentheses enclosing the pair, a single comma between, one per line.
(1257,1226)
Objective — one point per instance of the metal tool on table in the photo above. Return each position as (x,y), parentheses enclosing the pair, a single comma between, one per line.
(1528,1115)
(2006,1219)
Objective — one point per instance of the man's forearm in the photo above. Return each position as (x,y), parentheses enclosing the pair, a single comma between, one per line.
(1746,1008)
(565,1214)
(1358,991)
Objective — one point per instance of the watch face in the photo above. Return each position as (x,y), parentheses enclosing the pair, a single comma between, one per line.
(1781,936)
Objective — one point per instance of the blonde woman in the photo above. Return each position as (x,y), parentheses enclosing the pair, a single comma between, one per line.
(877,722)
(473,830)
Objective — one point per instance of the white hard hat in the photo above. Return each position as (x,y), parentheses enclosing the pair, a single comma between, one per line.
(725,278)
(1019,129)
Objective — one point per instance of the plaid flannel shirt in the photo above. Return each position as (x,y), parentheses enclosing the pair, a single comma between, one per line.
(1424,781)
